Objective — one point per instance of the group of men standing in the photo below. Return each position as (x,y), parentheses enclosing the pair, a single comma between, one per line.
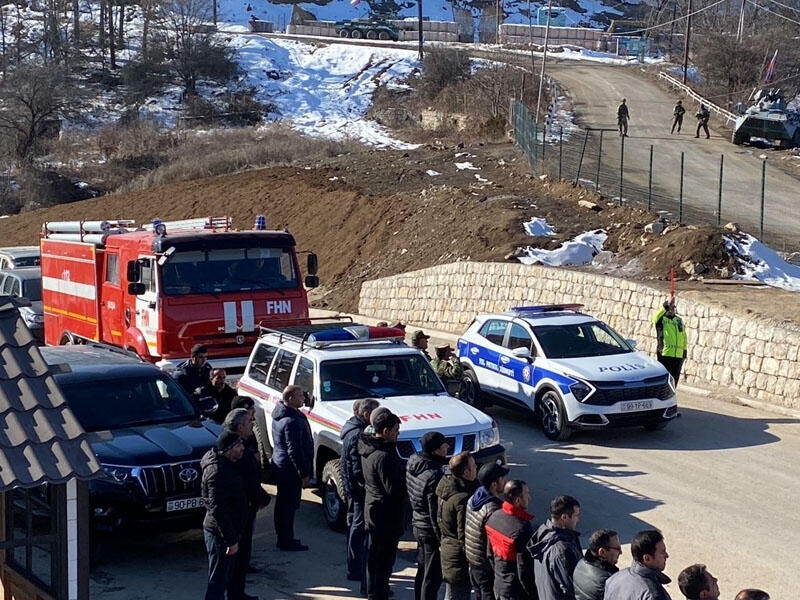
(702,115)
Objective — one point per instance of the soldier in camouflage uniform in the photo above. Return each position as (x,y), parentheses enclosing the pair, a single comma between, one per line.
(448,368)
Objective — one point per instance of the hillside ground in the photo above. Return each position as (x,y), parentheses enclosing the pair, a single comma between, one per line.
(376,213)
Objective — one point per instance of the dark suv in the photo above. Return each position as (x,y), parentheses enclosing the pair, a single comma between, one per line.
(148,435)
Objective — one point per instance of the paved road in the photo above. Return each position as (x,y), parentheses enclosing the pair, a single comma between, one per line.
(720,482)
(596,91)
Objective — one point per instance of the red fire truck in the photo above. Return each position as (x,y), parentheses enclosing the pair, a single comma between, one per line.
(160,289)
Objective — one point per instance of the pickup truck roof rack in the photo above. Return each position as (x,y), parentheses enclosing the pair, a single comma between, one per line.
(361,334)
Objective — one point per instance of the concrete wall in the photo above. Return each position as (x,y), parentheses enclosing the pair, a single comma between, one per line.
(758,358)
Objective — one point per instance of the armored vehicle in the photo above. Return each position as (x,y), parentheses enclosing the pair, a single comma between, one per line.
(374,29)
(770,119)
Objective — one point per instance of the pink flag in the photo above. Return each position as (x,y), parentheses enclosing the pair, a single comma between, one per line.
(770,74)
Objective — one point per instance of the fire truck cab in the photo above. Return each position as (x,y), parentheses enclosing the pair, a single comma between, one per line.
(158,290)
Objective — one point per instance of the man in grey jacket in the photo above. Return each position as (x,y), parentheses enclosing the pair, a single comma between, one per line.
(644,579)
(598,564)
(480,507)
(556,550)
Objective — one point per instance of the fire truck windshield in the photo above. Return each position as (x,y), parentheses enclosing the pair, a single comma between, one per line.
(229,270)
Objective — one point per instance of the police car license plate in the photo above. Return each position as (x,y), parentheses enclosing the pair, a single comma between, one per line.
(184,504)
(637,405)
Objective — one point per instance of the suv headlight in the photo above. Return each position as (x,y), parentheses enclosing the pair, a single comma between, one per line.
(118,474)
(31,318)
(580,390)
(672,384)
(489,437)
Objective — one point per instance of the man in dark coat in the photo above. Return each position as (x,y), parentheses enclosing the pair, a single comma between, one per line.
(292,463)
(623,115)
(480,507)
(598,564)
(423,472)
(453,492)
(696,583)
(217,388)
(508,531)
(223,493)
(240,421)
(556,549)
(385,498)
(677,116)
(353,483)
(195,371)
(645,578)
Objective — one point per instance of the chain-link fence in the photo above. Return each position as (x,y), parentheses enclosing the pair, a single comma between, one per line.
(634,171)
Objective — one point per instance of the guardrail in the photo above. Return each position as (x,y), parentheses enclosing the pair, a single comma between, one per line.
(728,115)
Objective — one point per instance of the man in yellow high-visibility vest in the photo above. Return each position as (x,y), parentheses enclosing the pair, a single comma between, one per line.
(671,334)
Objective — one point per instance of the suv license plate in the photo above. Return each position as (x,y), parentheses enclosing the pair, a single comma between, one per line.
(184,504)
(638,405)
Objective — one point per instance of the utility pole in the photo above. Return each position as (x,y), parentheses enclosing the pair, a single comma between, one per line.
(419,15)
(544,57)
(686,49)
(740,29)
(498,12)
(530,35)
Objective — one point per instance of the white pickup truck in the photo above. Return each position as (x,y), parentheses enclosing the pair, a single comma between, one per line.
(338,363)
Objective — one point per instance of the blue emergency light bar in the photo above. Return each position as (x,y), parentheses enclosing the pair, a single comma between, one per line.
(545,308)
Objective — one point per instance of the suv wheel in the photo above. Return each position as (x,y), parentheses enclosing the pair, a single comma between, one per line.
(334,506)
(470,391)
(553,418)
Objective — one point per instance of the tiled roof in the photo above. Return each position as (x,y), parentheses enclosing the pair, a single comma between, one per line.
(40,439)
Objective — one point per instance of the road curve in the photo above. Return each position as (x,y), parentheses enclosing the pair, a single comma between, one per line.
(596,91)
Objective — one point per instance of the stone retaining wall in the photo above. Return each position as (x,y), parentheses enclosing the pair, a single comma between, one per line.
(756,357)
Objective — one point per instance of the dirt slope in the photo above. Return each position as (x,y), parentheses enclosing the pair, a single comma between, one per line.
(383,212)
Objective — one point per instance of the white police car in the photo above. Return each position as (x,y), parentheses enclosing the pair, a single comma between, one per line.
(572,370)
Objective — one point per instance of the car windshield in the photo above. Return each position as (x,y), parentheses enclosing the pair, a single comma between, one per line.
(384,376)
(578,340)
(32,289)
(229,270)
(126,402)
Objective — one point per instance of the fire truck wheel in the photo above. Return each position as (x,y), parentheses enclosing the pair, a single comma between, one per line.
(67,339)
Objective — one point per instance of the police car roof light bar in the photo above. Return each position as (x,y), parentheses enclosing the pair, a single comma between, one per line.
(544,308)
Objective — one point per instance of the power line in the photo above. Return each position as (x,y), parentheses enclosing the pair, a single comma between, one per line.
(678,20)
(772,12)
(786,6)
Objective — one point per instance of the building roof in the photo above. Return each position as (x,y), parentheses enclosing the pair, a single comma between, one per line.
(40,439)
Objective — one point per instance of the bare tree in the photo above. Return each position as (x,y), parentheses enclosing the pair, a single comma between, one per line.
(32,97)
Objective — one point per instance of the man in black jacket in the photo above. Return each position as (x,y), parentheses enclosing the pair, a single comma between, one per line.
(423,472)
(598,564)
(453,492)
(556,549)
(292,464)
(353,483)
(223,494)
(480,507)
(508,531)
(240,421)
(216,387)
(195,372)
(385,497)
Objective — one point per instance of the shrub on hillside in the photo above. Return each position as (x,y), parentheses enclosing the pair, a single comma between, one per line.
(441,68)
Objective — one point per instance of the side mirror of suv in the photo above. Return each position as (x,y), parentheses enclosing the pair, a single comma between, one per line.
(308,400)
(522,352)
(207,404)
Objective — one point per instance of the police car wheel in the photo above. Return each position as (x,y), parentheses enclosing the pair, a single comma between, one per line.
(470,390)
(334,506)
(553,418)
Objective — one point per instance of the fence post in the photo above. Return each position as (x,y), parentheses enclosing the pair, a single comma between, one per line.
(719,192)
(580,160)
(650,181)
(763,188)
(535,135)
(680,194)
(560,150)
(621,166)
(599,158)
(544,136)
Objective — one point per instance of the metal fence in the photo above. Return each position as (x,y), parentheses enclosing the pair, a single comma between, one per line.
(631,171)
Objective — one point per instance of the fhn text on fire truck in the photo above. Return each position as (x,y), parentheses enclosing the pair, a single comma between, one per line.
(160,289)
